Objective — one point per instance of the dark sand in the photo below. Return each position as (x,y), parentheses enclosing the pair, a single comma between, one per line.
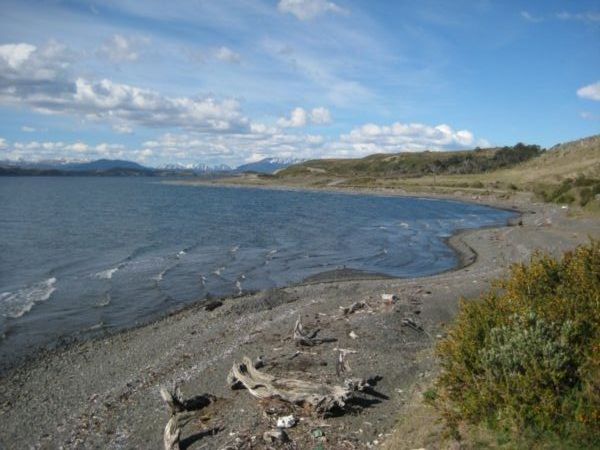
(105,393)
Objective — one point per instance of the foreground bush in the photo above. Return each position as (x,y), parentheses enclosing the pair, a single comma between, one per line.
(525,359)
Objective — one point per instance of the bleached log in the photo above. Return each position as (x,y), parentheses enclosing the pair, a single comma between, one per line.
(342,363)
(181,412)
(347,310)
(303,337)
(321,397)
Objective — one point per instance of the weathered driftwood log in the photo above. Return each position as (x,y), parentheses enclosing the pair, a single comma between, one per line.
(321,397)
(181,412)
(411,323)
(303,337)
(342,365)
(347,310)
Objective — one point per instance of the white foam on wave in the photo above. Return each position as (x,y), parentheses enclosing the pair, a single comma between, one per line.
(238,286)
(218,271)
(105,301)
(234,249)
(404,225)
(181,253)
(15,304)
(107,274)
(160,275)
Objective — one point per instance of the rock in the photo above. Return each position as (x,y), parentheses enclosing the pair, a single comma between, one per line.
(390,298)
(275,436)
(353,335)
(286,421)
(213,305)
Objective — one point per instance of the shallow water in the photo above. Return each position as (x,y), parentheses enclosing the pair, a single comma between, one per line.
(81,256)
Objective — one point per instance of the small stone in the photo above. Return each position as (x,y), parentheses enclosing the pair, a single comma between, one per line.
(286,421)
(275,436)
(317,433)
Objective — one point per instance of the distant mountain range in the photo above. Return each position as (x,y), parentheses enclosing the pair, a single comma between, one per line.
(268,165)
(116,167)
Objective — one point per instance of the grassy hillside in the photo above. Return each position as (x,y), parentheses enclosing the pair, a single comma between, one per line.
(567,173)
(417,164)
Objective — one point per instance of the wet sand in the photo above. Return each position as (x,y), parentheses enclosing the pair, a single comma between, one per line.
(104,393)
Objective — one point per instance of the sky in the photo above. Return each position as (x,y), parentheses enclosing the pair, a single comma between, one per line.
(234,81)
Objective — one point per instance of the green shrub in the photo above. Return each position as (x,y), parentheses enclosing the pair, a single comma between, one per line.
(525,358)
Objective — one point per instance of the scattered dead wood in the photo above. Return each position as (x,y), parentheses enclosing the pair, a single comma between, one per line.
(409,322)
(302,337)
(181,413)
(356,306)
(342,365)
(320,397)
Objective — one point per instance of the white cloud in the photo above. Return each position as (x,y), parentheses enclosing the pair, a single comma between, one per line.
(590,92)
(589,116)
(299,117)
(530,17)
(234,148)
(41,81)
(587,16)
(28,66)
(119,49)
(2,143)
(320,116)
(43,151)
(122,128)
(413,137)
(27,129)
(308,9)
(14,55)
(227,55)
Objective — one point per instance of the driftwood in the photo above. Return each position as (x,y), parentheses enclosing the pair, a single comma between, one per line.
(342,365)
(347,310)
(304,338)
(410,322)
(321,397)
(182,412)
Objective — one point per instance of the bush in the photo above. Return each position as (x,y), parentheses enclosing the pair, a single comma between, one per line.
(526,357)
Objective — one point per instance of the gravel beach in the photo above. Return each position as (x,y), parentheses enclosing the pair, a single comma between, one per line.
(104,393)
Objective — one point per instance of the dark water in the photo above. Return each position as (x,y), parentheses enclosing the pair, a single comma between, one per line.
(80,256)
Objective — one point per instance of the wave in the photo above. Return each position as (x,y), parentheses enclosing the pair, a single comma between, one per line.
(158,278)
(15,304)
(105,301)
(107,274)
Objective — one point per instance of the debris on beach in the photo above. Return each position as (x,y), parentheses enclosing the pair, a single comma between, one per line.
(286,421)
(354,307)
(275,436)
(321,398)
(303,337)
(181,413)
(389,298)
(342,362)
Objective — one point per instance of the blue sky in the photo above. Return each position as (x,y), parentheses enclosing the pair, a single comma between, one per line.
(205,81)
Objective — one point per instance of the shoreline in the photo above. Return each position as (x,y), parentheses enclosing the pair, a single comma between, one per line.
(104,392)
(464,256)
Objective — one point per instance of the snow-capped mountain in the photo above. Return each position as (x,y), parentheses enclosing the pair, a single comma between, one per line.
(268,165)
(198,168)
